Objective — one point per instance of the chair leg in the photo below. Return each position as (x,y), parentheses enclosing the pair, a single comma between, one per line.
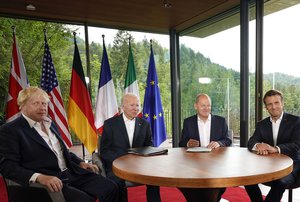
(290,195)
(125,194)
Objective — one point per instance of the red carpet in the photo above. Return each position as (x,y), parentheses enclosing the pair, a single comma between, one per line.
(168,194)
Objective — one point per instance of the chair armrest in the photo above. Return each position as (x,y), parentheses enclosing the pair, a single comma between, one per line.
(97,161)
(11,182)
(34,192)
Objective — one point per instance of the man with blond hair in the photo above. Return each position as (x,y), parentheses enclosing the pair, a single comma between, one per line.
(32,152)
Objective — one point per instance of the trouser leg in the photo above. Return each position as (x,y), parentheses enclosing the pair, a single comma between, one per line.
(121,185)
(95,186)
(278,186)
(254,193)
(203,194)
(153,193)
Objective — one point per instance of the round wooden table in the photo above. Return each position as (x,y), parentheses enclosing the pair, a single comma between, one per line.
(222,167)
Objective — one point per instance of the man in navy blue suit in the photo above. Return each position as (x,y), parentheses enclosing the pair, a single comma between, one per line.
(33,153)
(121,133)
(205,130)
(279,133)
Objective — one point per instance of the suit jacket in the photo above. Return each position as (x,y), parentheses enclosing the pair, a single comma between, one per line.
(218,131)
(24,152)
(288,139)
(115,141)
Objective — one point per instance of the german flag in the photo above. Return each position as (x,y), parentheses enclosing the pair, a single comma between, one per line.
(80,114)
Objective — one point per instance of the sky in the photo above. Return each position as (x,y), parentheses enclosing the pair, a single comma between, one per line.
(281,43)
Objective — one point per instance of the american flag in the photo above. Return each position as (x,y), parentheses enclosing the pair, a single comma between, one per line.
(56,108)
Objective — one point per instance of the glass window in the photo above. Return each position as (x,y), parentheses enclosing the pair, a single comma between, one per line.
(210,63)
(281,55)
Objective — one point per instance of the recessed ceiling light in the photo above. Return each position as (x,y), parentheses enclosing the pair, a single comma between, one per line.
(166,4)
(30,7)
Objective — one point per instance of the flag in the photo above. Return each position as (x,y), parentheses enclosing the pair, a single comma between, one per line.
(131,84)
(56,109)
(106,103)
(80,114)
(17,81)
(153,111)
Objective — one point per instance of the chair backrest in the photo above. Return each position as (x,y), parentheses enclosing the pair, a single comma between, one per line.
(296,184)
(96,158)
(98,144)
(230,132)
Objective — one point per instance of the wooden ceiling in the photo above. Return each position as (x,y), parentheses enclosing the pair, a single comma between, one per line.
(158,16)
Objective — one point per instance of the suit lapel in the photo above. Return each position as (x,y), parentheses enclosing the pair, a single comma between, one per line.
(123,129)
(196,129)
(137,128)
(268,130)
(56,133)
(212,129)
(32,133)
(282,127)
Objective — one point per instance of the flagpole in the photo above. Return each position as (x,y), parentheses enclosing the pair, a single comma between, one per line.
(87,50)
(13,29)
(129,40)
(103,36)
(82,145)
(45,33)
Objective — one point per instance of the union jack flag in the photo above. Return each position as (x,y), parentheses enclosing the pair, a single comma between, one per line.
(56,109)
(17,81)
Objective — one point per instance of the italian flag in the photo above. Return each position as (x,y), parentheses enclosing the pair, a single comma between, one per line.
(131,84)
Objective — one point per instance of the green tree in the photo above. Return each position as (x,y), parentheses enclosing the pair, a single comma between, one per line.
(30,39)
(118,57)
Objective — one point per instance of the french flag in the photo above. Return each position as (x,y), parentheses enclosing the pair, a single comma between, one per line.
(106,103)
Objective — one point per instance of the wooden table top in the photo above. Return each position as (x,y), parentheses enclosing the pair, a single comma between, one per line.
(222,167)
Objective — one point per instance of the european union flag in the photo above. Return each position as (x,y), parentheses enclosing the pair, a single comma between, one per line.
(153,111)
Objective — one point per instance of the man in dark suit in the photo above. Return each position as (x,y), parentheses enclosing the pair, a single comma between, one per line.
(121,133)
(205,130)
(279,133)
(32,151)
